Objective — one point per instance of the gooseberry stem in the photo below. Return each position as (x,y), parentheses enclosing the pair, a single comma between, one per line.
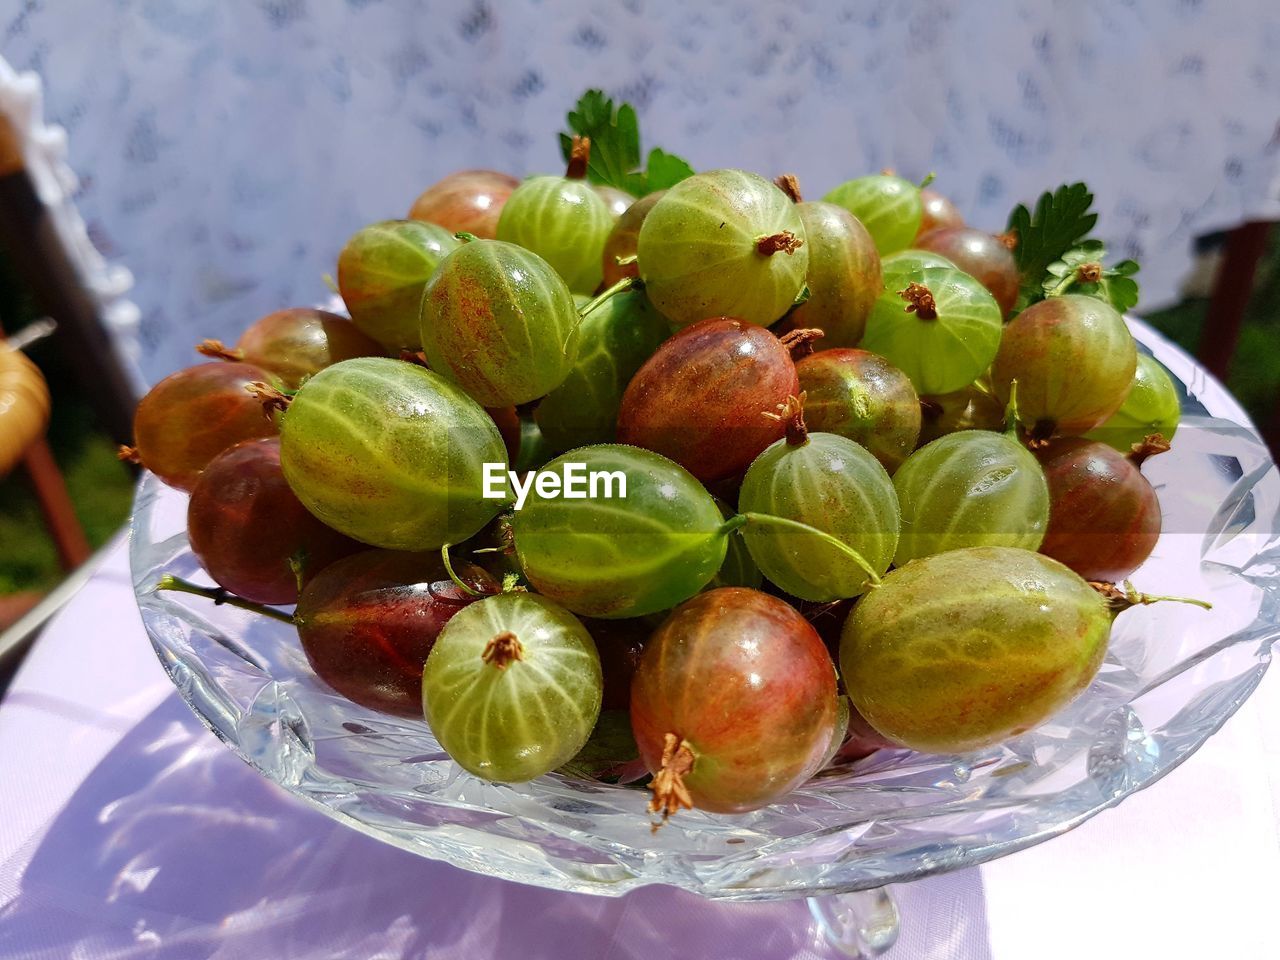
(270,397)
(220,596)
(1121,600)
(298,567)
(1089,272)
(1152,444)
(1149,598)
(795,526)
(799,343)
(730,525)
(579,158)
(1042,433)
(789,185)
(457,580)
(217,350)
(622,286)
(503,650)
(920,301)
(1065,284)
(670,794)
(782,242)
(792,414)
(1011,411)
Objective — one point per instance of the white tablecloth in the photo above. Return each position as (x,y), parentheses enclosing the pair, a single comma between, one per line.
(128,831)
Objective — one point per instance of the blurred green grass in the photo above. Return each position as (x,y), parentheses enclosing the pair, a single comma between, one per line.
(98,483)
(102,488)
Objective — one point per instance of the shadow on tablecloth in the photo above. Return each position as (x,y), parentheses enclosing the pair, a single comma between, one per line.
(173,849)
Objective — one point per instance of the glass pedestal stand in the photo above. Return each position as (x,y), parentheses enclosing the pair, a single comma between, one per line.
(1172,676)
(861,925)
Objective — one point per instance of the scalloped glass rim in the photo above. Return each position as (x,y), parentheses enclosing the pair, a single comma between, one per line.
(1173,676)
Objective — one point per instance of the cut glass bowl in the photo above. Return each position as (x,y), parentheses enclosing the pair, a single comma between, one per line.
(1173,675)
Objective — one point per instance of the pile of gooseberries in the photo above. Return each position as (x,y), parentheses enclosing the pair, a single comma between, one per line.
(860,491)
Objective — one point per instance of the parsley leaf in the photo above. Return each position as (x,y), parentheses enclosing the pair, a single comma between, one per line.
(664,170)
(1061,219)
(615,147)
(1121,291)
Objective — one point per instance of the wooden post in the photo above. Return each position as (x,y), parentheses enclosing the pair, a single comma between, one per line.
(55,503)
(1231,291)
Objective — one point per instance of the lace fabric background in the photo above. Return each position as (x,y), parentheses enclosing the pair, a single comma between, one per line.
(227,149)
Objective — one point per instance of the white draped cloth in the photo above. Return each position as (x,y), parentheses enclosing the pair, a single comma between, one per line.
(226,150)
(128,831)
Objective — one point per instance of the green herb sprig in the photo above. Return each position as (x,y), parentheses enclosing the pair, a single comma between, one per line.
(1055,255)
(615,147)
